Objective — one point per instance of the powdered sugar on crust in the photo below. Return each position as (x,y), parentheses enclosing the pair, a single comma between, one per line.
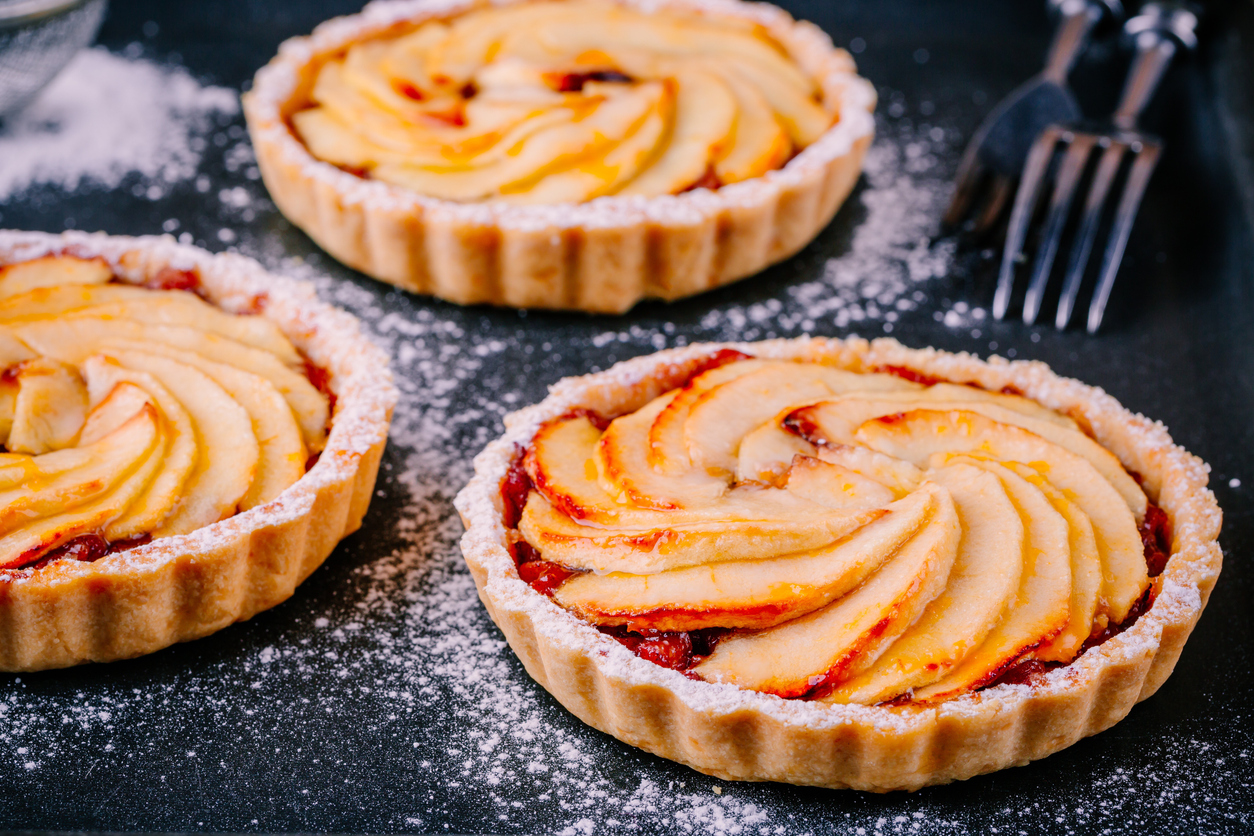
(1176,479)
(329,337)
(277,85)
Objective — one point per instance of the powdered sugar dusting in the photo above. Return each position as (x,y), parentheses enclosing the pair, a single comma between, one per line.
(106,117)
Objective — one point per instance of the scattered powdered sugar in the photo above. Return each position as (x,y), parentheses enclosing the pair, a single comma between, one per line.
(107,116)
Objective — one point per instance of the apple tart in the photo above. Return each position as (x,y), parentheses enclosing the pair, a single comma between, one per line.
(561,153)
(185,439)
(841,563)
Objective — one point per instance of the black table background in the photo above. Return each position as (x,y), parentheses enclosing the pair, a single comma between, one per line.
(198,742)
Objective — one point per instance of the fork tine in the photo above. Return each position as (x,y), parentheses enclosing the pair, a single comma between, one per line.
(1025,201)
(967,179)
(1060,205)
(999,193)
(1133,190)
(1087,234)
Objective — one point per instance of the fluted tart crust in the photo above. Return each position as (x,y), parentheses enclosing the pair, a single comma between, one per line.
(186,438)
(841,563)
(380,158)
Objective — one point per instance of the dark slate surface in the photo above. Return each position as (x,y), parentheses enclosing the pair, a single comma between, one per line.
(379,697)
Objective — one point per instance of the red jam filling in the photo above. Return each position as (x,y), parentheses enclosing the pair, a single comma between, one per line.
(1156,537)
(169,278)
(408,90)
(86,548)
(321,380)
(710,180)
(719,358)
(574,82)
(514,490)
(679,651)
(915,376)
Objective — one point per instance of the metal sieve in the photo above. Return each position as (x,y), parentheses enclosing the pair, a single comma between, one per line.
(37,39)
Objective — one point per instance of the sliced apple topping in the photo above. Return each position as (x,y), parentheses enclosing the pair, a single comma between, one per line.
(982,581)
(49,408)
(794,658)
(55,504)
(1040,609)
(560,539)
(919,434)
(834,485)
(51,270)
(130,412)
(753,593)
(564,102)
(847,537)
(159,307)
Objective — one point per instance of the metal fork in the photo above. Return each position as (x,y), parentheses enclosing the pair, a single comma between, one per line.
(1157,33)
(995,155)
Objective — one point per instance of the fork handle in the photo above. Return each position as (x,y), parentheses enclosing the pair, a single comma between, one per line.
(1078,17)
(1157,33)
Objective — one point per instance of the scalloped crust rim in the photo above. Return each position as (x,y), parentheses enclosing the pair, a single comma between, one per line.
(743,735)
(181,588)
(602,256)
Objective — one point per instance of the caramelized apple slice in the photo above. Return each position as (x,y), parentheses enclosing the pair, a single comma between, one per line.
(72,339)
(602,173)
(16,279)
(544,152)
(759,143)
(1039,611)
(899,477)
(228,450)
(640,551)
(159,307)
(561,463)
(835,486)
(917,435)
(730,48)
(49,408)
(115,409)
(66,479)
(282,453)
(623,466)
(961,393)
(1086,573)
(983,580)
(766,453)
(667,450)
(13,350)
(752,594)
(726,413)
(178,455)
(792,658)
(705,111)
(835,421)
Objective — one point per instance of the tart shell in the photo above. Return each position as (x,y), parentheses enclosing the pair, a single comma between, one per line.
(180,588)
(744,735)
(602,256)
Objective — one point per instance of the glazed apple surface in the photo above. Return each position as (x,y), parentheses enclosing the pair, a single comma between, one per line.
(825,534)
(564,101)
(129,413)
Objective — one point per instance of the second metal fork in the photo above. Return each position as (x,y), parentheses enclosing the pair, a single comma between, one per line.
(1157,33)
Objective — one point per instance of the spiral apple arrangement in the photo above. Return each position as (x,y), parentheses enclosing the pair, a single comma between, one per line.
(851,537)
(130,413)
(564,102)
